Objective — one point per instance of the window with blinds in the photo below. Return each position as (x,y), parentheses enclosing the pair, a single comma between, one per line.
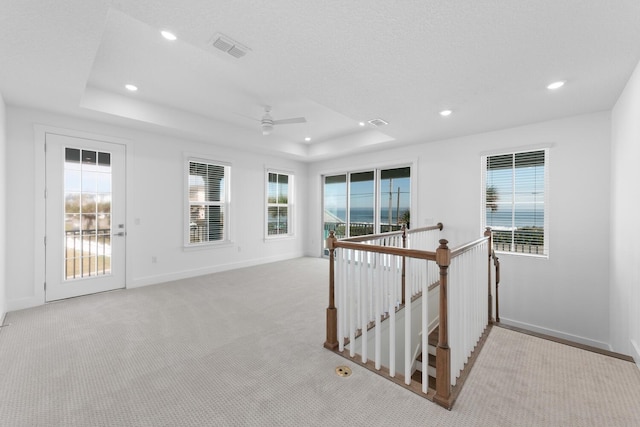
(279,204)
(514,201)
(208,202)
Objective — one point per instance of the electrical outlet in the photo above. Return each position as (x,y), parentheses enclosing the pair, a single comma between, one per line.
(154,259)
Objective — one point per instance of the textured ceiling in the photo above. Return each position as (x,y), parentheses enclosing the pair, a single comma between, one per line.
(334,62)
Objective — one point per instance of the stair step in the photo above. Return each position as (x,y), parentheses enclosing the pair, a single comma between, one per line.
(433,337)
(417,377)
(432,359)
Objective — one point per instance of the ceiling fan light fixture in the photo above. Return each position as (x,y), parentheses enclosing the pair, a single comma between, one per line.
(267,128)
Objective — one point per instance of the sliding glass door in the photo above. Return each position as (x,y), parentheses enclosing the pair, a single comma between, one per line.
(395,199)
(366,202)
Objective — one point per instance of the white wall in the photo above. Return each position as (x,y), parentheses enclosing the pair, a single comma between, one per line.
(155,200)
(565,295)
(3,208)
(625,223)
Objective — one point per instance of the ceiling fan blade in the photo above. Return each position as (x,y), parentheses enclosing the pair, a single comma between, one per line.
(290,121)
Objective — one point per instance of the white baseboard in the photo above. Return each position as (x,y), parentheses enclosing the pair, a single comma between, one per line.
(185,274)
(558,334)
(29,302)
(22,303)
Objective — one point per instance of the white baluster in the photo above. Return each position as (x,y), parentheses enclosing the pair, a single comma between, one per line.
(425,330)
(392,329)
(407,336)
(378,297)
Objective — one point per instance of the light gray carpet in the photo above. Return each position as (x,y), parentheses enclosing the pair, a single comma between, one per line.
(244,348)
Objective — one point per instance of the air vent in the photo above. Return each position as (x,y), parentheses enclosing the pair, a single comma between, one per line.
(378,122)
(236,52)
(228,45)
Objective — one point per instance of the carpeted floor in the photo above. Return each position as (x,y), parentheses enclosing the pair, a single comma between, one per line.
(244,348)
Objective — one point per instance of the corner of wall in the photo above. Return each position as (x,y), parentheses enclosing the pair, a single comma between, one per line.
(624,281)
(3,209)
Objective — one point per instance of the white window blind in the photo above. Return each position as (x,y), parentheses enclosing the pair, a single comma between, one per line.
(514,201)
(207,189)
(279,204)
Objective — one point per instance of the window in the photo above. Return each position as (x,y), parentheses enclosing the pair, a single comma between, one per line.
(514,201)
(279,204)
(208,190)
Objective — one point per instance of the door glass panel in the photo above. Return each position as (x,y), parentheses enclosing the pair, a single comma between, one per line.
(87,208)
(335,206)
(361,203)
(395,200)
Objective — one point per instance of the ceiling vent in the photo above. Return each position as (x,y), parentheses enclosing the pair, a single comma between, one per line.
(230,46)
(378,122)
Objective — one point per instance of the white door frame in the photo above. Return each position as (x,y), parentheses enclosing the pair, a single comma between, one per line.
(39,227)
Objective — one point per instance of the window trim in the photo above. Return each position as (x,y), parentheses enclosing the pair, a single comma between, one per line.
(290,204)
(226,204)
(483,166)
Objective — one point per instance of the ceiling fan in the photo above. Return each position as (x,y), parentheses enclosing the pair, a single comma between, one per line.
(267,123)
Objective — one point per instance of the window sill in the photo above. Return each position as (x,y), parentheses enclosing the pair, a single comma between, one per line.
(523,254)
(205,246)
(279,238)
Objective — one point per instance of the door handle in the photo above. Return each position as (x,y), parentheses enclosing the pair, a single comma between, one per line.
(121,234)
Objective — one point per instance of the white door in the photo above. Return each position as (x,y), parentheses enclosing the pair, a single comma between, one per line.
(85,216)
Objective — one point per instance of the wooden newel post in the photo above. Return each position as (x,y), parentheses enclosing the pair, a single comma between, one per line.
(443,356)
(496,264)
(332,315)
(487,233)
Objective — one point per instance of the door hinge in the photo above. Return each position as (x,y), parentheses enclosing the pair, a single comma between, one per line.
(45,193)
(45,286)
(45,240)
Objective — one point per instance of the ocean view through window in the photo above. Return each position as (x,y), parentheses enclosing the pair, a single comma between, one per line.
(514,195)
(366,202)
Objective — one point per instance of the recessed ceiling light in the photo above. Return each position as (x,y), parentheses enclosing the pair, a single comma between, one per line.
(307,139)
(446,113)
(378,122)
(556,85)
(131,87)
(168,35)
(361,123)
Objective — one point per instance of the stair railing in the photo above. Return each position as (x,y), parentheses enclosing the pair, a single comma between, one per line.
(367,284)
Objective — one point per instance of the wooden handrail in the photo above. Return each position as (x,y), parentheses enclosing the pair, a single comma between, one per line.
(438,226)
(466,247)
(368,237)
(411,253)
